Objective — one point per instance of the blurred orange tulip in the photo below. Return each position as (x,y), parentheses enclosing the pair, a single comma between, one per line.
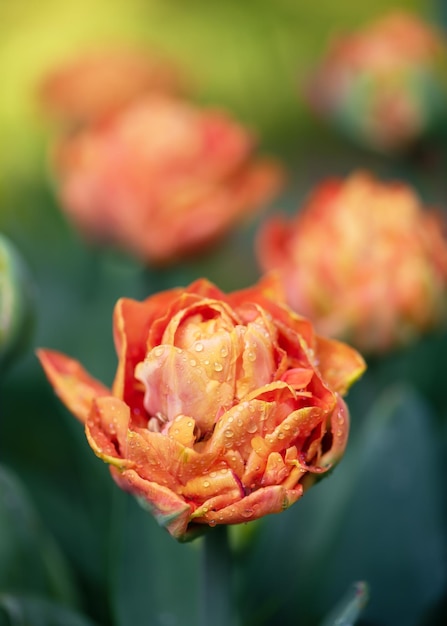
(363,260)
(383,84)
(224,408)
(162,179)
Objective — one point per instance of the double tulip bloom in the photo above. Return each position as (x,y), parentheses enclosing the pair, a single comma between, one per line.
(224,408)
(162,178)
(383,85)
(363,259)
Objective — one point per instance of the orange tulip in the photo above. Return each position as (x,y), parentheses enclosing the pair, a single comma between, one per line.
(383,84)
(224,408)
(162,179)
(99,82)
(363,260)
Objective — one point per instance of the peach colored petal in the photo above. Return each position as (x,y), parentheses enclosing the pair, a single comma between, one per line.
(75,387)
(339,364)
(219,482)
(176,384)
(340,430)
(272,499)
(106,429)
(170,510)
(132,321)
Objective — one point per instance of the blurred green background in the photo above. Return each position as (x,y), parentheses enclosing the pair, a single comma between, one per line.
(75,550)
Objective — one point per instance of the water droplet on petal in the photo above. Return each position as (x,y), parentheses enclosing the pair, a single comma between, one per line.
(198,347)
(224,352)
(206,483)
(159,350)
(218,367)
(212,522)
(229,433)
(251,356)
(247,513)
(281,435)
(252,428)
(230,419)
(193,362)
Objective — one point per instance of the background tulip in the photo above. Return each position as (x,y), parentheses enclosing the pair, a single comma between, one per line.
(383,85)
(363,259)
(99,82)
(162,179)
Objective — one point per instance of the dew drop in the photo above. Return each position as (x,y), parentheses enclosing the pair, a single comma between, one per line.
(224,470)
(218,367)
(193,362)
(240,422)
(206,483)
(247,513)
(198,347)
(281,435)
(229,433)
(339,432)
(159,350)
(213,474)
(252,428)
(212,522)
(230,419)
(251,356)
(224,352)
(286,426)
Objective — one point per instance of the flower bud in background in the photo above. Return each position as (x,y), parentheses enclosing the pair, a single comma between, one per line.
(162,179)
(385,84)
(363,260)
(224,408)
(100,82)
(16,304)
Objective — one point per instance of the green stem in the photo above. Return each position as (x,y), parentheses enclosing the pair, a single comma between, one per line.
(217,604)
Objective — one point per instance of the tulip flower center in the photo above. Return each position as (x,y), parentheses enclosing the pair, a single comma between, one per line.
(206,363)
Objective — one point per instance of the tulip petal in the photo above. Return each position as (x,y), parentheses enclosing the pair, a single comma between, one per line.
(339,364)
(170,510)
(132,321)
(272,499)
(106,429)
(176,384)
(74,386)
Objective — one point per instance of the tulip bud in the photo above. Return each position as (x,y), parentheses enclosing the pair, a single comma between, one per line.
(16,303)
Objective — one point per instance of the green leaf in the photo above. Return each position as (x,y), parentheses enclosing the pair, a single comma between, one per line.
(16,610)
(349,608)
(30,560)
(154,579)
(378,517)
